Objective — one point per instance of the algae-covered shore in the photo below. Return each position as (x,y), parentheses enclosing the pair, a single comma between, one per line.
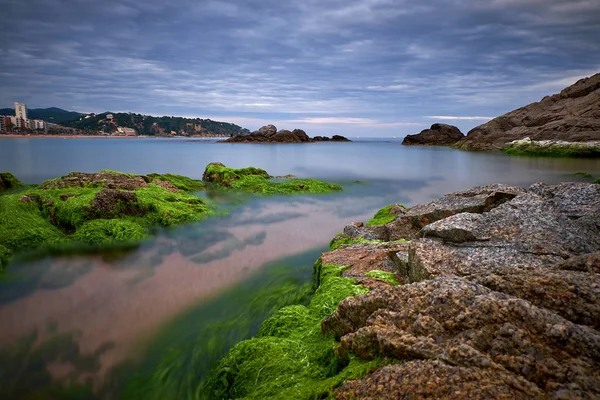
(82,212)
(438,301)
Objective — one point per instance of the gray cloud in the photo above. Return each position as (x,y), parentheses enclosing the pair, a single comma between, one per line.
(378,67)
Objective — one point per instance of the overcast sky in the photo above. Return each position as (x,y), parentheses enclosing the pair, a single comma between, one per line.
(355,67)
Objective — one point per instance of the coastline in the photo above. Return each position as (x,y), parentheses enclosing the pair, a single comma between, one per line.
(12,136)
(377,313)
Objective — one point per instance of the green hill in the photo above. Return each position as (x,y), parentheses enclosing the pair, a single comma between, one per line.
(149,125)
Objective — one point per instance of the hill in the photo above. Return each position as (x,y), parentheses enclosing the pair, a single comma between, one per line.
(571,116)
(53,114)
(158,126)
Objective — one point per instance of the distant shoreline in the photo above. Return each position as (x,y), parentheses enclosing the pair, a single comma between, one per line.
(13,136)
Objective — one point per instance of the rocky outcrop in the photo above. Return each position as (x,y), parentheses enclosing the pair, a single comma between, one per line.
(500,297)
(437,135)
(270,134)
(106,179)
(573,115)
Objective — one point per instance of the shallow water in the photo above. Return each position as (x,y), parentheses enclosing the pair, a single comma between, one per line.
(194,289)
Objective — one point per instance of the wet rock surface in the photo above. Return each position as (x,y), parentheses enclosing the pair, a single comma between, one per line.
(437,135)
(573,115)
(270,134)
(499,297)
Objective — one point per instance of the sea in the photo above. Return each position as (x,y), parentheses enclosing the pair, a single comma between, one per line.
(151,322)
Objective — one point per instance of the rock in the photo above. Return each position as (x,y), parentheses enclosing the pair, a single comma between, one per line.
(270,134)
(501,297)
(300,134)
(437,135)
(285,136)
(572,115)
(166,185)
(339,138)
(268,130)
(106,179)
(110,203)
(409,222)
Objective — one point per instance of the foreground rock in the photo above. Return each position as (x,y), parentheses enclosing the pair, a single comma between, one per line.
(105,208)
(573,115)
(270,134)
(437,135)
(502,298)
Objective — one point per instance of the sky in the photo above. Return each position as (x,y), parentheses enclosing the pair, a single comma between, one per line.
(353,67)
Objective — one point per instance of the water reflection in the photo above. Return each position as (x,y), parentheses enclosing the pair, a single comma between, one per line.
(93,319)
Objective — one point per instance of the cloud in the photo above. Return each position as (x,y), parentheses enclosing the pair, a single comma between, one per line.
(373,66)
(461,118)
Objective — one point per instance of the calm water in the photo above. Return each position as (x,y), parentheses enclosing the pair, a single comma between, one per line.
(176,304)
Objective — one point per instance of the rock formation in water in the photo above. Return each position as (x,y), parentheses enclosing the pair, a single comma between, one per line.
(437,135)
(270,134)
(489,293)
(573,115)
(501,297)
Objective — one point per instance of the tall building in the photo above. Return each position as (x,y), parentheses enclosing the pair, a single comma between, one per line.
(20,110)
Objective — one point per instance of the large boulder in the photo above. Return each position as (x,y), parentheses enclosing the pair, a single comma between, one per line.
(267,130)
(437,135)
(501,297)
(573,115)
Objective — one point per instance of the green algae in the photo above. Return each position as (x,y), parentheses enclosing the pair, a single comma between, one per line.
(179,181)
(179,358)
(384,276)
(533,150)
(57,216)
(9,181)
(290,357)
(258,181)
(383,216)
(340,242)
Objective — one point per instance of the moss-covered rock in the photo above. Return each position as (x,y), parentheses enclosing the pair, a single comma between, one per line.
(290,357)
(258,181)
(103,208)
(9,181)
(383,276)
(386,215)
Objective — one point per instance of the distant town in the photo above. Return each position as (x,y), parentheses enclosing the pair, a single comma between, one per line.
(58,122)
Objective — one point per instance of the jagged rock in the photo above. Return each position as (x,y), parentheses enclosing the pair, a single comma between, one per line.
(572,115)
(409,222)
(504,300)
(437,135)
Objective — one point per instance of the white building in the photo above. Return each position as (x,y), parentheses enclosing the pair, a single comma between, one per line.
(36,124)
(2,127)
(18,122)
(20,110)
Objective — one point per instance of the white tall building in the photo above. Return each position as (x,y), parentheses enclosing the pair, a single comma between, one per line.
(20,110)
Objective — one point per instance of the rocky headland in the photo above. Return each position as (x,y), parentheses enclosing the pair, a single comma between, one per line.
(572,116)
(270,134)
(564,124)
(492,292)
(437,135)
